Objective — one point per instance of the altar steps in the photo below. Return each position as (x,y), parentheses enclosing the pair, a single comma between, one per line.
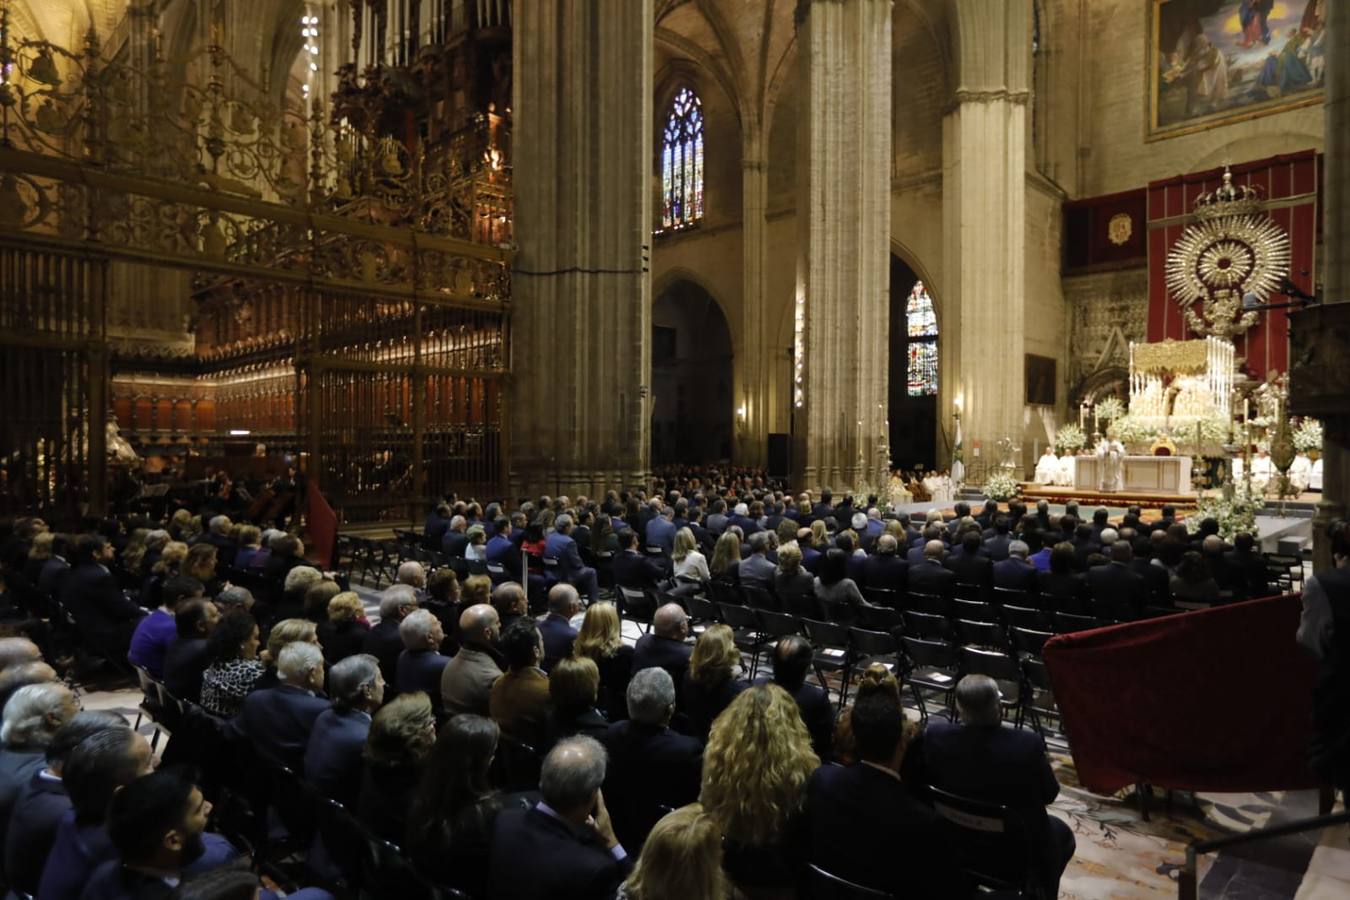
(1086,497)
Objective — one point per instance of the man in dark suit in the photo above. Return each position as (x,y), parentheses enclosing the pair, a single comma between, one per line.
(285,552)
(564,848)
(983,760)
(421,664)
(650,765)
(1099,522)
(93,597)
(278,721)
(633,569)
(333,754)
(864,825)
(986,516)
(559,635)
(1118,592)
(55,568)
(1085,544)
(824,509)
(437,524)
(792,657)
(500,548)
(885,570)
(996,546)
(1250,567)
(1213,549)
(717,519)
(664,646)
(755,570)
(1155,577)
(383,641)
(569,569)
(1015,573)
(969,566)
(915,554)
(185,658)
(931,576)
(701,534)
(456,537)
(661,531)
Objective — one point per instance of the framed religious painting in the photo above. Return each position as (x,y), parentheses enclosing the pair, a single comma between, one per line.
(1211,62)
(1040,380)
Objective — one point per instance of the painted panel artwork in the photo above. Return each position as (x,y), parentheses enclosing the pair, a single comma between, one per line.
(1216,61)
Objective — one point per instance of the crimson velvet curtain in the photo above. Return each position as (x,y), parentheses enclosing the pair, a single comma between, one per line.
(1212,700)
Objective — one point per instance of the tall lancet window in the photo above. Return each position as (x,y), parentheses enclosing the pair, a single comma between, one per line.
(682,162)
(923,334)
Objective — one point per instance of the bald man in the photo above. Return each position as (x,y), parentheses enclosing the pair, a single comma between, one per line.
(664,646)
(467,679)
(14,650)
(929,576)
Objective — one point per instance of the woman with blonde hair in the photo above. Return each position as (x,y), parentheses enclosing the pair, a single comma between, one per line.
(200,564)
(726,558)
(711,683)
(755,770)
(284,632)
(317,597)
(400,740)
(180,525)
(691,566)
(682,858)
(601,639)
(476,589)
(343,633)
(170,558)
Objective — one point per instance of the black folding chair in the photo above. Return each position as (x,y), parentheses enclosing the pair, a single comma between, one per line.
(888,597)
(1040,694)
(880,618)
(1066,623)
(1003,596)
(997,847)
(833,653)
(1024,617)
(933,604)
(516,765)
(638,605)
(817,884)
(974,611)
(744,623)
(1029,642)
(804,605)
(760,598)
(776,625)
(874,647)
(981,634)
(933,668)
(928,626)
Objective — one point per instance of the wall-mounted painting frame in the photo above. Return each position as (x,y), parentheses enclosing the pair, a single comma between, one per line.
(1214,62)
(1041,380)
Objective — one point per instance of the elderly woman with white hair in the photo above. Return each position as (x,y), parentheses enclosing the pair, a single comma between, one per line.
(31,717)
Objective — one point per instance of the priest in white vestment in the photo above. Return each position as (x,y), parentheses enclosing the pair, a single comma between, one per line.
(1315,476)
(1111,453)
(1067,465)
(1047,470)
(1263,471)
(1300,473)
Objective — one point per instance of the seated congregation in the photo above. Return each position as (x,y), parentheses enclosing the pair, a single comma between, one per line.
(493,735)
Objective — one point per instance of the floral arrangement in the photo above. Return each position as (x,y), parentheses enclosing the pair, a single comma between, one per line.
(1110,409)
(1132,430)
(1069,439)
(1002,485)
(1308,436)
(1234,514)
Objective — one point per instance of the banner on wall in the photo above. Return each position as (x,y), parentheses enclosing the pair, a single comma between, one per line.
(1290,185)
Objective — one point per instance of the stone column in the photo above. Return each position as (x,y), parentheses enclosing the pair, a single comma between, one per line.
(581,348)
(981,315)
(843,216)
(1320,370)
(753,359)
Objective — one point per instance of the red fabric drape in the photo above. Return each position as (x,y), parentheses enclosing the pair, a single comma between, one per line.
(1212,700)
(1292,179)
(322,527)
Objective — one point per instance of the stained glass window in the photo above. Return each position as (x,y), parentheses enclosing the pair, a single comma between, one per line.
(682,162)
(921,327)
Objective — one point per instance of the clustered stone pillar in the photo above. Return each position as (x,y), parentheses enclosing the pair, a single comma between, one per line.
(581,349)
(753,371)
(843,215)
(984,217)
(1320,374)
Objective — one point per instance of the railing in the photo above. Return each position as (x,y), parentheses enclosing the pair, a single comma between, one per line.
(1186,882)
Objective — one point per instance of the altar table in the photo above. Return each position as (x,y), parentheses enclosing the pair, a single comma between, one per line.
(1160,474)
